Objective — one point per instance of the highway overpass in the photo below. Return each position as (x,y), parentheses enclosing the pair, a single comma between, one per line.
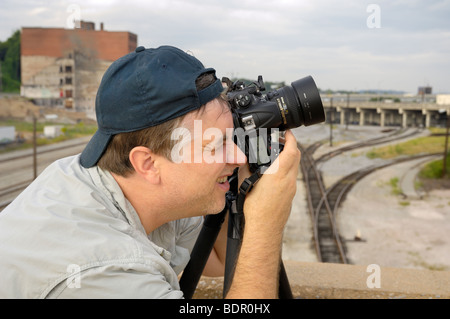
(341,111)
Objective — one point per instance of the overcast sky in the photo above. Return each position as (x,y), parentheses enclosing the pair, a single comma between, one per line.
(351,45)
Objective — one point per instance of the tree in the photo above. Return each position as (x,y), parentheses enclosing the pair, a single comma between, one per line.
(10,63)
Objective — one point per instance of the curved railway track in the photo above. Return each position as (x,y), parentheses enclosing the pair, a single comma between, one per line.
(328,245)
(324,202)
(396,135)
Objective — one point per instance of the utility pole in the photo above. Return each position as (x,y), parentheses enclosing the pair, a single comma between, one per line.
(347,113)
(444,164)
(34,147)
(1,78)
(331,121)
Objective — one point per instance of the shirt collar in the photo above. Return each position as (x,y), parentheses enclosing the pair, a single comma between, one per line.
(106,182)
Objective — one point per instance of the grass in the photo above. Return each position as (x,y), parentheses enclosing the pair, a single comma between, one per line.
(395,189)
(69,131)
(434,169)
(421,145)
(418,260)
(418,184)
(437,130)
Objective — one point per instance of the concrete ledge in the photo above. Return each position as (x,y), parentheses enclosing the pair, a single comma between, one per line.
(338,281)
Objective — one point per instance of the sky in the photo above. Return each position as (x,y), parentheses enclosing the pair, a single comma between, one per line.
(343,45)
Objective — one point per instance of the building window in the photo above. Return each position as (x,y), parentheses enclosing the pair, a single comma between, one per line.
(68,93)
(68,69)
(68,104)
(68,81)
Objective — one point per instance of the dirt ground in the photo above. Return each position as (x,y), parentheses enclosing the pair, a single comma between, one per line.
(17,107)
(396,231)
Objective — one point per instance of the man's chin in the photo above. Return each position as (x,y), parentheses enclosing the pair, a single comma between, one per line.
(218,208)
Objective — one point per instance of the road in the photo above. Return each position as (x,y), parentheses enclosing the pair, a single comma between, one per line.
(16,168)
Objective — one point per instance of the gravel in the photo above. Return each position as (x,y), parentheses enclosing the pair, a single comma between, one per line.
(396,231)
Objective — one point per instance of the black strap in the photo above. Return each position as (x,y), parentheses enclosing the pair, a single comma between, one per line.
(245,188)
(237,209)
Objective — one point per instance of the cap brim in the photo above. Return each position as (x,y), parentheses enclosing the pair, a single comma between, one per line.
(95,149)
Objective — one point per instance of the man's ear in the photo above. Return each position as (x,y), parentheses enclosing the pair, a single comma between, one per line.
(145,164)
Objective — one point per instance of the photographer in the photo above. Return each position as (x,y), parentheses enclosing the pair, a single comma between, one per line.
(119,220)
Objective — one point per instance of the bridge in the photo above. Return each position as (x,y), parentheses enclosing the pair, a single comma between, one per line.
(425,114)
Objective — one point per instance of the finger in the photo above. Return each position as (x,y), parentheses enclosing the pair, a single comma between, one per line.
(290,138)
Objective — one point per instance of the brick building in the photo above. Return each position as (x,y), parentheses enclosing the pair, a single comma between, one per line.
(63,67)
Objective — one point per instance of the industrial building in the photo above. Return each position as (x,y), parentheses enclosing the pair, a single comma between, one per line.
(63,67)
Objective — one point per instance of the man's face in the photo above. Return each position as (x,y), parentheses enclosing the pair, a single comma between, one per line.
(203,159)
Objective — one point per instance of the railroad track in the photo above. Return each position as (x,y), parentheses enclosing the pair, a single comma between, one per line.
(18,187)
(328,245)
(323,203)
(396,135)
(24,162)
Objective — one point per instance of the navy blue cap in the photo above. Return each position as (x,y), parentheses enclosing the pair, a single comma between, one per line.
(143,89)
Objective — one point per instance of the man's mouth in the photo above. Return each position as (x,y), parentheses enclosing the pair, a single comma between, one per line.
(223,184)
(222,180)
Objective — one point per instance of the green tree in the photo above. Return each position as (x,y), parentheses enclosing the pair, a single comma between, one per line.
(10,63)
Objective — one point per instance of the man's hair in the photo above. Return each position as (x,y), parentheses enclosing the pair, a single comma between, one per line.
(156,138)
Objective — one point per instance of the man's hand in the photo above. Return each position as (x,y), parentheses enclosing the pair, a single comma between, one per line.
(269,202)
(266,210)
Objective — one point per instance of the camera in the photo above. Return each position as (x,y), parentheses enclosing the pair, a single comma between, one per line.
(255,113)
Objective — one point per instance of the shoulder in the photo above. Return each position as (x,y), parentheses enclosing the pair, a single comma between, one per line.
(118,279)
(69,224)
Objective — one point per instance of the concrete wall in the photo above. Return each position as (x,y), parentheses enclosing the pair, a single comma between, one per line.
(339,281)
(443,99)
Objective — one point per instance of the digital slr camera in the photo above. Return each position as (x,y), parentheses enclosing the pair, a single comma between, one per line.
(255,113)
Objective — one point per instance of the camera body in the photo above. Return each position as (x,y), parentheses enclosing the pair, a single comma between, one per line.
(255,113)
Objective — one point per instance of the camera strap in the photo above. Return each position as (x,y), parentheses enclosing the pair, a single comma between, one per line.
(245,188)
(235,235)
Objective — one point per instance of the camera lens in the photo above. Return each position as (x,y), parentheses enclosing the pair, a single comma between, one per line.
(300,103)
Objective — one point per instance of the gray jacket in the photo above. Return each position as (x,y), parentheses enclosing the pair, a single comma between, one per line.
(73,234)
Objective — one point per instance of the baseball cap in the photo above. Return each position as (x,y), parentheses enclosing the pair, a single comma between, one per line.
(145,88)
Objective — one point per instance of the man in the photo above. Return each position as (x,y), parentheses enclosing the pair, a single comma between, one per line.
(120,219)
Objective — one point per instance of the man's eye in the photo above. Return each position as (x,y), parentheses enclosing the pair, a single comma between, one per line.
(218,148)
